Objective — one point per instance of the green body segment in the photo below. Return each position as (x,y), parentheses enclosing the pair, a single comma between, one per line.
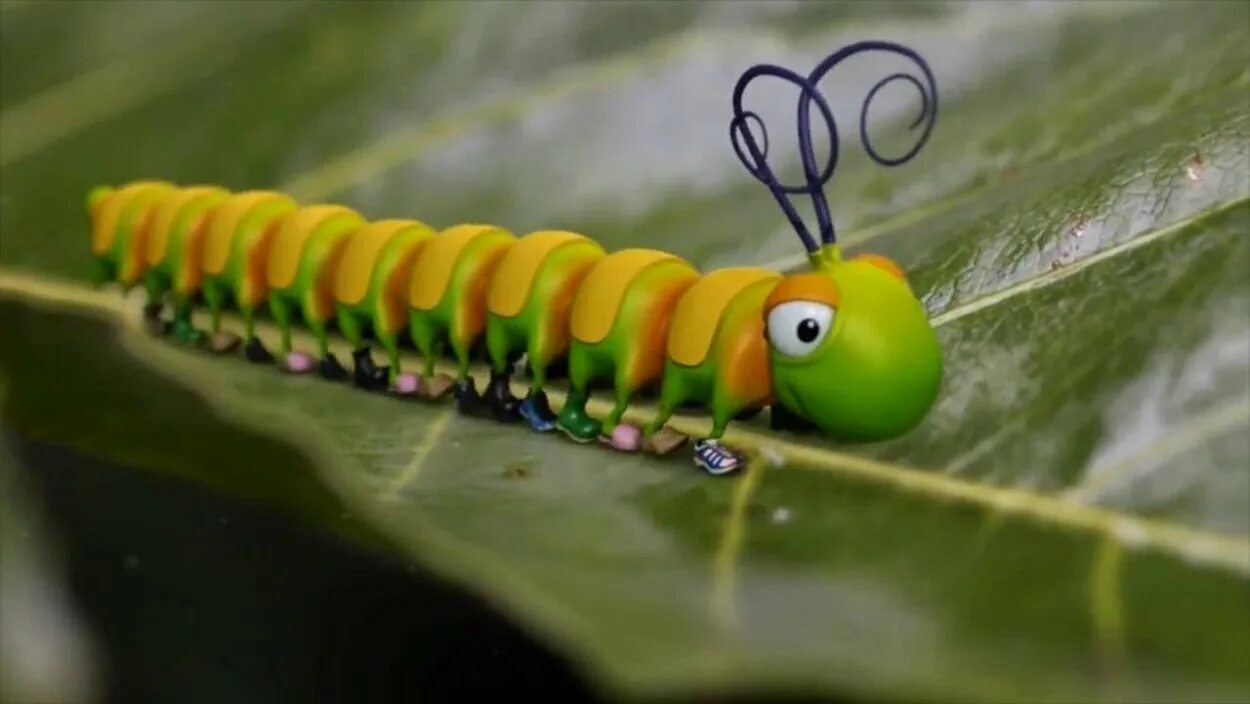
(178,271)
(631,355)
(242,283)
(734,377)
(310,297)
(540,330)
(458,319)
(373,315)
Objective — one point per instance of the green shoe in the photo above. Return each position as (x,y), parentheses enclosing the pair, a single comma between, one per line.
(186,333)
(577,425)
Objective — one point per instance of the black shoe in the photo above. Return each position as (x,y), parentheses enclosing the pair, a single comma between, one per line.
(499,397)
(468,401)
(367,375)
(255,352)
(329,368)
(152,311)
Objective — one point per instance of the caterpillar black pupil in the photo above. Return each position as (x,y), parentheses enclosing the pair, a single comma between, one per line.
(808,330)
(634,319)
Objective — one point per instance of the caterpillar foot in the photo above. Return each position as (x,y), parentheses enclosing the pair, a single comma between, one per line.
(368,375)
(536,411)
(436,387)
(716,459)
(624,437)
(155,326)
(664,441)
(186,333)
(152,312)
(578,426)
(468,402)
(298,363)
(255,351)
(223,342)
(329,368)
(498,396)
(406,385)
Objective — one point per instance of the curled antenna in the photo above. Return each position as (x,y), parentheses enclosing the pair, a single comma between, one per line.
(755,158)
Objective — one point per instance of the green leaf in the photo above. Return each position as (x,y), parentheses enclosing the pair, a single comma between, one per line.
(1072,522)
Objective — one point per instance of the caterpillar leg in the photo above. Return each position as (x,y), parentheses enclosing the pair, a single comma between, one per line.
(155,304)
(365,374)
(215,297)
(254,350)
(535,409)
(503,352)
(328,366)
(283,312)
(710,454)
(468,400)
(183,329)
(621,436)
(425,337)
(675,391)
(402,383)
(573,420)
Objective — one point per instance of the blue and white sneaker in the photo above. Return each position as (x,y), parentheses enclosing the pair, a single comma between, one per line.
(532,410)
(715,458)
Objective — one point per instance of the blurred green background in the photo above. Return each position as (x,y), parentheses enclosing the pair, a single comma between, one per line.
(1071,523)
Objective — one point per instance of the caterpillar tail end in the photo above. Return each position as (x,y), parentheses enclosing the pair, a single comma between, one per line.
(97,194)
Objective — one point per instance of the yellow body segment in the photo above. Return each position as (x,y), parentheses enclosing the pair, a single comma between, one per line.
(355,271)
(437,261)
(108,211)
(693,326)
(514,277)
(163,219)
(599,299)
(225,221)
(288,241)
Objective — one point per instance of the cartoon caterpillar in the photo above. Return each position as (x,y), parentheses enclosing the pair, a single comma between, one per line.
(845,347)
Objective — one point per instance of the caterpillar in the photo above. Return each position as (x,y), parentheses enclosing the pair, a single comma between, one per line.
(845,348)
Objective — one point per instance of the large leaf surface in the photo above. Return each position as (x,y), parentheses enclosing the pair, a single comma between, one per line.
(1071,522)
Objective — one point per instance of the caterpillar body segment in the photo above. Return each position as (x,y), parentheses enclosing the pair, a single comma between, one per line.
(237,241)
(619,332)
(371,290)
(175,252)
(717,353)
(529,310)
(447,300)
(307,246)
(119,218)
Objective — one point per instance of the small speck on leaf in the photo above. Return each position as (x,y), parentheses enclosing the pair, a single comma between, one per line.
(519,469)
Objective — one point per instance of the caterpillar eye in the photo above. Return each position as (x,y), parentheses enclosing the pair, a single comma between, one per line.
(797,328)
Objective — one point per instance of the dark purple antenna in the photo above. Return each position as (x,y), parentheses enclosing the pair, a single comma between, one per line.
(757,163)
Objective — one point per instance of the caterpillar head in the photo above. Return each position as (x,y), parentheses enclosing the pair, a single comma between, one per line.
(851,348)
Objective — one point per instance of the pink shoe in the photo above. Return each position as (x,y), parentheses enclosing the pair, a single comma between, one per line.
(407,384)
(626,438)
(299,363)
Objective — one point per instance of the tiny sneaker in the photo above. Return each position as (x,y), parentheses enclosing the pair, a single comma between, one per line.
(715,458)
